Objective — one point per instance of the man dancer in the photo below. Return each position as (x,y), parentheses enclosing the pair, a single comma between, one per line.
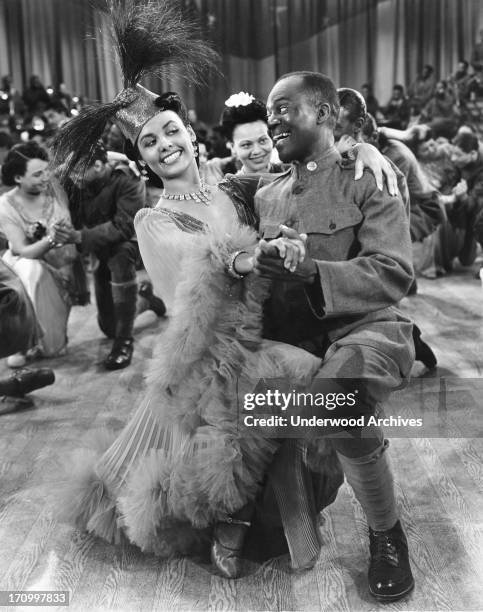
(338,302)
(103,205)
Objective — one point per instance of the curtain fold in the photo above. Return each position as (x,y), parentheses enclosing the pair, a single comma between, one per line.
(353,41)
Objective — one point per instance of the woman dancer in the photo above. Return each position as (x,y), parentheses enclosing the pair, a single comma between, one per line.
(183,465)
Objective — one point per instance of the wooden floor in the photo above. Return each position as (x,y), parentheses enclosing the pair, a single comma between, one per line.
(439,486)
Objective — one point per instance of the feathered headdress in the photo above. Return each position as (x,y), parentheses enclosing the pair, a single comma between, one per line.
(151,37)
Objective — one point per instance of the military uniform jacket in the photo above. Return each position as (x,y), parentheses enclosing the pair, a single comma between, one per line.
(105,211)
(359,238)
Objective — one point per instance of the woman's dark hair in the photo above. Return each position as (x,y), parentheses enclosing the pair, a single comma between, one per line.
(17,158)
(171,101)
(466,142)
(369,127)
(237,115)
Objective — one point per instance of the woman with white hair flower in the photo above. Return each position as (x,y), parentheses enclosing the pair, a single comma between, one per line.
(245,124)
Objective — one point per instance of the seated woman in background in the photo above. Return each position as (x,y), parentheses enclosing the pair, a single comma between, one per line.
(245,123)
(30,215)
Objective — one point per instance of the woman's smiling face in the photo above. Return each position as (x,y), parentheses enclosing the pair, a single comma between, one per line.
(253,146)
(166,144)
(36,177)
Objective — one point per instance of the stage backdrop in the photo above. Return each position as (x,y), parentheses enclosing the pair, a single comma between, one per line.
(353,41)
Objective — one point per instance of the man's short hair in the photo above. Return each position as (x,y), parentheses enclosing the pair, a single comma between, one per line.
(466,142)
(319,88)
(99,153)
(353,102)
(398,87)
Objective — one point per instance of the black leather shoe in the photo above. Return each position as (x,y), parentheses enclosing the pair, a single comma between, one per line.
(155,304)
(227,546)
(390,576)
(25,381)
(423,350)
(120,355)
(425,354)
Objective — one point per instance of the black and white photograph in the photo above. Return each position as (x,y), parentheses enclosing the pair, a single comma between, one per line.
(241,305)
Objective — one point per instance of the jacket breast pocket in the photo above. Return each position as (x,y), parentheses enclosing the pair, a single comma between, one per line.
(332,234)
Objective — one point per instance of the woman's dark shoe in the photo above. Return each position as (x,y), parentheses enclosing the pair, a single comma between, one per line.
(120,355)
(390,576)
(154,303)
(227,546)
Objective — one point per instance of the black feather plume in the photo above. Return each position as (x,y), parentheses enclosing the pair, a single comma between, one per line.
(152,37)
(73,145)
(156,37)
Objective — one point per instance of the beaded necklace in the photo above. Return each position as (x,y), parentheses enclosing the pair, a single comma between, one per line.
(203,195)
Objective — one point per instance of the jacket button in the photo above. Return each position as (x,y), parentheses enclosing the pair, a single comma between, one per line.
(298,189)
(332,225)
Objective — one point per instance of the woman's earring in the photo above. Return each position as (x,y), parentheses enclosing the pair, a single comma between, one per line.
(196,148)
(144,172)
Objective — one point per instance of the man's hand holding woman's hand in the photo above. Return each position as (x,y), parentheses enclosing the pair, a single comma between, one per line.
(62,233)
(285,258)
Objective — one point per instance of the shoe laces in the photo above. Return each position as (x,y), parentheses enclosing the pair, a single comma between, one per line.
(384,548)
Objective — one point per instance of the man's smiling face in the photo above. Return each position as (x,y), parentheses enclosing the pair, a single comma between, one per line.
(292,118)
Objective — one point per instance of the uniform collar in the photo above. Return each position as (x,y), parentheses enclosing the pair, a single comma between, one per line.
(327,160)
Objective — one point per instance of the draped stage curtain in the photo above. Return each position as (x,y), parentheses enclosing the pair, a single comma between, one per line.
(353,41)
